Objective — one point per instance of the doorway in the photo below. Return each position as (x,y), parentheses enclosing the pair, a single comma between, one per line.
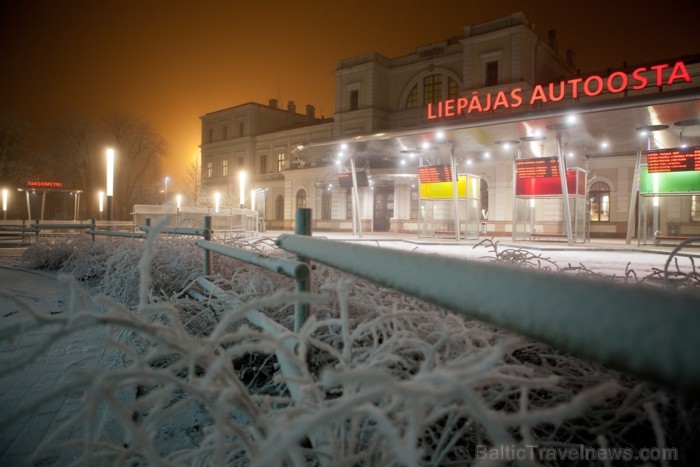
(383,208)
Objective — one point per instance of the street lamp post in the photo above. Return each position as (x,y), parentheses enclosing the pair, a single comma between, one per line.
(241,179)
(166,190)
(5,194)
(102,196)
(110,182)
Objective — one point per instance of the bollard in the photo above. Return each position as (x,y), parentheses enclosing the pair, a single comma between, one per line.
(207,253)
(302,226)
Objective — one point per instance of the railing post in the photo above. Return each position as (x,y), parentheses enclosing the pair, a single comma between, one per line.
(93,224)
(302,226)
(37,228)
(207,253)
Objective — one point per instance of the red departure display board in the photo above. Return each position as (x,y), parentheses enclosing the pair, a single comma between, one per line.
(674,160)
(540,177)
(435,173)
(345,179)
(539,167)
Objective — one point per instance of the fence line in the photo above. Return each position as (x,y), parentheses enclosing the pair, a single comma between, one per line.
(639,329)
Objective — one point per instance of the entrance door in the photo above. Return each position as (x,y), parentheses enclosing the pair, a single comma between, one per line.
(383,208)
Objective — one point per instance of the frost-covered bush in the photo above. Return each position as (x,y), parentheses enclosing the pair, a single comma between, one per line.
(374,378)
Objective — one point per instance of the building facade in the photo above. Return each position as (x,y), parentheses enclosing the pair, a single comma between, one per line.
(495,94)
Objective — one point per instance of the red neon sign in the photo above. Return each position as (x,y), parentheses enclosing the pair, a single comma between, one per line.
(44,184)
(590,86)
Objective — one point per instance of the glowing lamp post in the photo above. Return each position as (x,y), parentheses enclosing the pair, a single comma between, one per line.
(166,190)
(216,201)
(179,201)
(5,194)
(102,198)
(241,182)
(110,182)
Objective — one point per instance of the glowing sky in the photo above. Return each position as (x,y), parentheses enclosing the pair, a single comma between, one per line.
(173,61)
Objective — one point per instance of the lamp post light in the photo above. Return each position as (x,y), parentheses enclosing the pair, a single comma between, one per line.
(166,190)
(110,182)
(216,201)
(5,195)
(241,180)
(102,196)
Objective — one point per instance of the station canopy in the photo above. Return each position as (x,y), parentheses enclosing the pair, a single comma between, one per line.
(605,128)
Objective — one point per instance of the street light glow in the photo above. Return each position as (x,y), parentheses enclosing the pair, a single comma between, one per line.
(166,190)
(179,201)
(216,201)
(241,180)
(110,172)
(102,196)
(5,194)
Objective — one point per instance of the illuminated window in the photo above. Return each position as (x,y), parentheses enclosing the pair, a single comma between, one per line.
(279,208)
(326,204)
(412,99)
(281,161)
(414,201)
(432,89)
(354,99)
(491,78)
(452,88)
(210,169)
(348,204)
(695,208)
(224,168)
(301,198)
(263,163)
(599,199)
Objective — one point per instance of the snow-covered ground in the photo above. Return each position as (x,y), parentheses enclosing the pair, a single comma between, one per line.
(49,297)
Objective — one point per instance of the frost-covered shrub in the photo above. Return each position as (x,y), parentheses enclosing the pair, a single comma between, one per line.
(374,378)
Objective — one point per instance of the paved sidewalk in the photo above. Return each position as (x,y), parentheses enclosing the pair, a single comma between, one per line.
(19,389)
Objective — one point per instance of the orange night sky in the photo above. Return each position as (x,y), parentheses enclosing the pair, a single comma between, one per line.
(173,61)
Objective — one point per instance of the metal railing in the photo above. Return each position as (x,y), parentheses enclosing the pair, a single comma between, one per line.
(646,331)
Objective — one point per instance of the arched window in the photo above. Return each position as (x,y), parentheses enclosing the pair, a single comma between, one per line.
(279,208)
(326,204)
(429,88)
(599,202)
(301,198)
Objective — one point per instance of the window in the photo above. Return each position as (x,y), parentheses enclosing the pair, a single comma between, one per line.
(412,99)
(326,204)
(263,163)
(224,168)
(279,208)
(432,89)
(695,208)
(281,161)
(414,201)
(354,99)
(211,135)
(241,163)
(224,132)
(452,88)
(599,199)
(348,204)
(210,169)
(241,129)
(491,78)
(301,198)
(484,194)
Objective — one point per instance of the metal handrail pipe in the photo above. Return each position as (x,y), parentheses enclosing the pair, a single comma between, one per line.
(294,269)
(18,229)
(116,233)
(61,226)
(646,331)
(175,230)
